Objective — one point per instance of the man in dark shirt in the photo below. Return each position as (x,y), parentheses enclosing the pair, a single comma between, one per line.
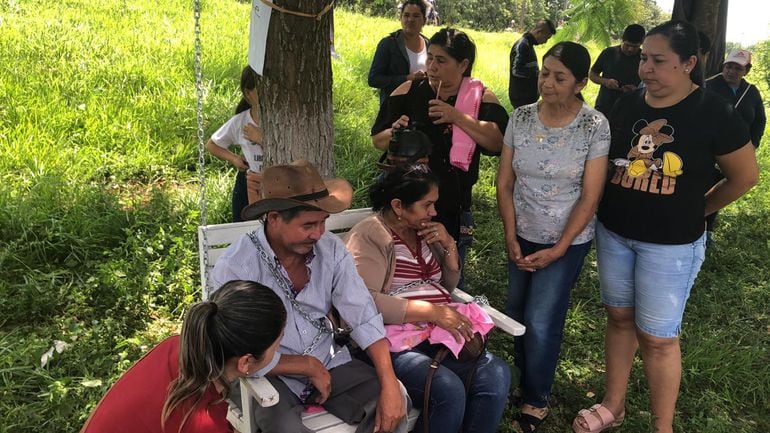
(522,87)
(617,69)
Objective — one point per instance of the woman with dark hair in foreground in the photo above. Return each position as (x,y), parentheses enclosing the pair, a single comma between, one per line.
(181,384)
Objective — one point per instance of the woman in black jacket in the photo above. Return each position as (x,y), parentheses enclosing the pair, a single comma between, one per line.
(401,55)
(742,95)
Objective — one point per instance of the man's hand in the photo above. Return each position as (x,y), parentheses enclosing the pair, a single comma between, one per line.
(611,83)
(320,378)
(390,407)
(253,185)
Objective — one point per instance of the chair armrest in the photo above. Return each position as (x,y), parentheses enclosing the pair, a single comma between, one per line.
(260,389)
(502,321)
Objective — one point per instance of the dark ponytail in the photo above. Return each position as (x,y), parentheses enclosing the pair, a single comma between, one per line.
(243,317)
(248,82)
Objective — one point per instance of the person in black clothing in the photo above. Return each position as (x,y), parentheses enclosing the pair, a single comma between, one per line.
(430,104)
(745,99)
(742,95)
(616,70)
(650,241)
(522,87)
(401,55)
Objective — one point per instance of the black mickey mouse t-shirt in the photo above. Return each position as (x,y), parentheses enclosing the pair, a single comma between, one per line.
(661,165)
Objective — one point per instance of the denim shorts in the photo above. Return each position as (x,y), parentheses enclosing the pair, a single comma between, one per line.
(654,279)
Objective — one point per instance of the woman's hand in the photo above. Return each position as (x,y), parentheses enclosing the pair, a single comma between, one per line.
(441,112)
(433,232)
(401,122)
(239,162)
(253,133)
(513,247)
(446,317)
(416,75)
(540,259)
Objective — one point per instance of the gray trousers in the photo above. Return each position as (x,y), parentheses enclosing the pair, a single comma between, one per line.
(353,399)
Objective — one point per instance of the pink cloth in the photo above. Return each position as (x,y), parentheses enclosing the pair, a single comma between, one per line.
(468,102)
(408,335)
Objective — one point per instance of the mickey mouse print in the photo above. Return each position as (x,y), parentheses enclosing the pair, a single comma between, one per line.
(644,168)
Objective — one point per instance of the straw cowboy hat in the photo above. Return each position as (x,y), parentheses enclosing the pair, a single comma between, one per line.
(299,184)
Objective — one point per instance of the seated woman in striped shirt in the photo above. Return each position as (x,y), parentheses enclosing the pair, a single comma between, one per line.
(410,265)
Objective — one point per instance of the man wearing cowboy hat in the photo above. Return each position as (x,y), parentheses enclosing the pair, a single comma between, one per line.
(312,271)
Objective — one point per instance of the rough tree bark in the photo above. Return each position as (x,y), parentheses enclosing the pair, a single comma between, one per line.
(296,87)
(710,17)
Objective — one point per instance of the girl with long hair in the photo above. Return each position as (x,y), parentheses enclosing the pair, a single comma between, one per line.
(181,385)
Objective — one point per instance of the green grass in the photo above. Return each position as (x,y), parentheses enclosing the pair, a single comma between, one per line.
(98,209)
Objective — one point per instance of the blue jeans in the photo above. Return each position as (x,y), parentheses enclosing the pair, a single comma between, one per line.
(539,300)
(653,279)
(449,408)
(240,197)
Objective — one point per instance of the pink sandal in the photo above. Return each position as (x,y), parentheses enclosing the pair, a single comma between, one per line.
(598,419)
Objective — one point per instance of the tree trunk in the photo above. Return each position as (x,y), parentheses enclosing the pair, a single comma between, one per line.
(295,90)
(709,17)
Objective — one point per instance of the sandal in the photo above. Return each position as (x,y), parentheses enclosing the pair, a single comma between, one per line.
(598,419)
(529,423)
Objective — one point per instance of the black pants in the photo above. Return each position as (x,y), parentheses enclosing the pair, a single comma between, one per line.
(240,197)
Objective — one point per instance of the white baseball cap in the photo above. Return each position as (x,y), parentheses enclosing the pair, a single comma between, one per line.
(741,57)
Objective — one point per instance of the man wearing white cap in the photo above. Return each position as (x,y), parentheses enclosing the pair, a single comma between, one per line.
(312,271)
(742,95)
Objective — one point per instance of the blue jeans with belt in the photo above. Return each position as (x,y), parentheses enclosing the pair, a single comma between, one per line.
(449,409)
(539,300)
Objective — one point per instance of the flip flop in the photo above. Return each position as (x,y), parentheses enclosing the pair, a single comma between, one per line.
(598,419)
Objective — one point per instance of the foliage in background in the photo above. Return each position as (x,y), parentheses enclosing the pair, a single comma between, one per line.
(583,20)
(98,209)
(603,21)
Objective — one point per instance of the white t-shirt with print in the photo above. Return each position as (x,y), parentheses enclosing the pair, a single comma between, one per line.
(231,134)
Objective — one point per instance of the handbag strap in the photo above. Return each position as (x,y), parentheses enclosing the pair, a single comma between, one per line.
(319,324)
(742,95)
(438,358)
(434,364)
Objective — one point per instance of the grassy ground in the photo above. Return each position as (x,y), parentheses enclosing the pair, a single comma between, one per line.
(98,209)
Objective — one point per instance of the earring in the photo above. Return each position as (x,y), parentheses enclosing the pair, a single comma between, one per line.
(399,217)
(686,71)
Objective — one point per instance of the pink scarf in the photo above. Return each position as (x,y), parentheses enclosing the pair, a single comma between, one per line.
(409,335)
(468,102)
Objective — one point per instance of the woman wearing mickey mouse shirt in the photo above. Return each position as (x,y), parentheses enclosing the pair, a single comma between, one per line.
(650,238)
